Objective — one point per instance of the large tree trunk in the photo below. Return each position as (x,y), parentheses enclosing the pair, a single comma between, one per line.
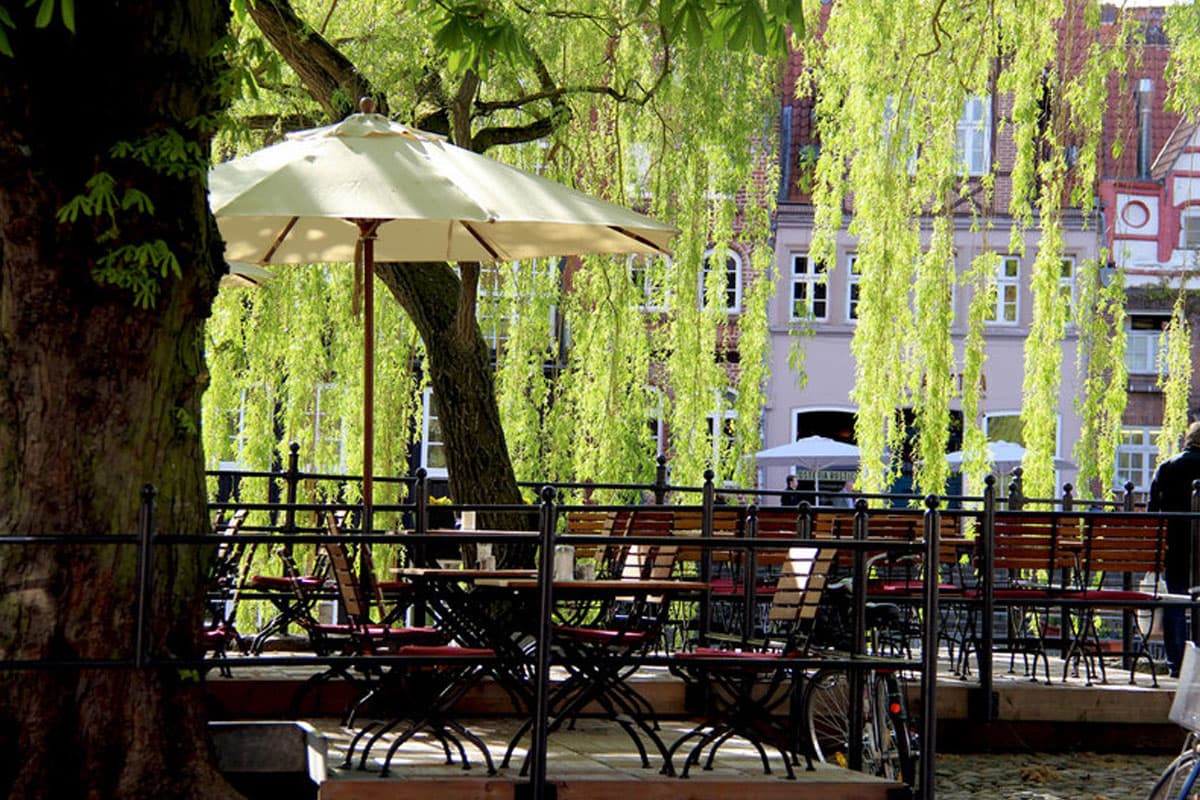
(99,396)
(464,392)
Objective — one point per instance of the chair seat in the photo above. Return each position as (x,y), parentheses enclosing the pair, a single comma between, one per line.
(425,635)
(726,587)
(394,586)
(1116,595)
(280,584)
(1026,594)
(600,635)
(913,587)
(216,637)
(445,650)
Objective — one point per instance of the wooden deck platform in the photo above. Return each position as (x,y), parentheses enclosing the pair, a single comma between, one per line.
(596,761)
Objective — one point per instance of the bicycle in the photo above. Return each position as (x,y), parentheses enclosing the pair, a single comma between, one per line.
(1181,778)
(889,745)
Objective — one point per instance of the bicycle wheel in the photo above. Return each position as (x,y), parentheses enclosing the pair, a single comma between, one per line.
(886,739)
(894,736)
(1175,776)
(826,716)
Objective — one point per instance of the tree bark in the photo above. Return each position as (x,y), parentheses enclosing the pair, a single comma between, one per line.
(464,394)
(99,396)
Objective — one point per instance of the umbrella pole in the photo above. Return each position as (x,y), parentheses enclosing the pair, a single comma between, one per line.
(367,233)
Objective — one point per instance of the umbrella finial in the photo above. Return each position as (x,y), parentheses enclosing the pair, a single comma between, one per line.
(366,105)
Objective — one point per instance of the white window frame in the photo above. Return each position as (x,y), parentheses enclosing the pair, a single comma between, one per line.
(813,278)
(237,437)
(1142,346)
(317,414)
(732,264)
(428,415)
(1066,284)
(1144,452)
(973,136)
(1004,284)
(650,267)
(1189,228)
(853,281)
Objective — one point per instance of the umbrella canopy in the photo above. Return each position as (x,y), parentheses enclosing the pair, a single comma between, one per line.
(301,201)
(811,452)
(371,188)
(243,274)
(1004,457)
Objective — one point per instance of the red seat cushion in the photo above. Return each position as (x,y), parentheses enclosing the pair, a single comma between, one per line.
(445,650)
(911,587)
(600,635)
(280,584)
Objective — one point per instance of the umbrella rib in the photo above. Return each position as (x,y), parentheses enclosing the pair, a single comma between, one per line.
(275,245)
(639,239)
(479,238)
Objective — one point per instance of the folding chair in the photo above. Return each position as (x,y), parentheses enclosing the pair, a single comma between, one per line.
(748,681)
(426,690)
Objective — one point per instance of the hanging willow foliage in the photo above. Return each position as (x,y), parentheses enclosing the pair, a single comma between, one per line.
(892,78)
(699,151)
(1175,376)
(1102,373)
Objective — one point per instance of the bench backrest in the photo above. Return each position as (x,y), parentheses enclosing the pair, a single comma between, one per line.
(589,523)
(649,561)
(1135,544)
(355,605)
(801,583)
(1025,542)
(690,522)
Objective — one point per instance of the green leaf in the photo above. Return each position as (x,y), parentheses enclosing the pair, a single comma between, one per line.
(796,16)
(45,13)
(137,199)
(68,14)
(5,47)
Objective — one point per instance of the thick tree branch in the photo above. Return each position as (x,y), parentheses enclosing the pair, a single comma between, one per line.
(333,81)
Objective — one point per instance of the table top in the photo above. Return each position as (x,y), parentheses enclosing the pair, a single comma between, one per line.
(614,585)
(475,575)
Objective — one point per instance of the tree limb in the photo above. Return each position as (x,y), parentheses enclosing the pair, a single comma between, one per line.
(333,81)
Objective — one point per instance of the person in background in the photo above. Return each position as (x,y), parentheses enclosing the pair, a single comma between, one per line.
(1171,490)
(845,496)
(790,496)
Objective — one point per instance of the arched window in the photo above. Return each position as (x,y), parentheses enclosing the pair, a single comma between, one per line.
(732,268)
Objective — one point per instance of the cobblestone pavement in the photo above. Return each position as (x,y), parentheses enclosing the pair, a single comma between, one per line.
(1047,776)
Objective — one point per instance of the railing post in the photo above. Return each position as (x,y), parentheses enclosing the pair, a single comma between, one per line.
(858,629)
(933,526)
(293,484)
(421,500)
(660,481)
(1064,624)
(1016,497)
(1195,570)
(145,575)
(541,709)
(750,587)
(1127,616)
(708,499)
(984,707)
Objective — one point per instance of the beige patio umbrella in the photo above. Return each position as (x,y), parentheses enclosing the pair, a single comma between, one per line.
(399,194)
